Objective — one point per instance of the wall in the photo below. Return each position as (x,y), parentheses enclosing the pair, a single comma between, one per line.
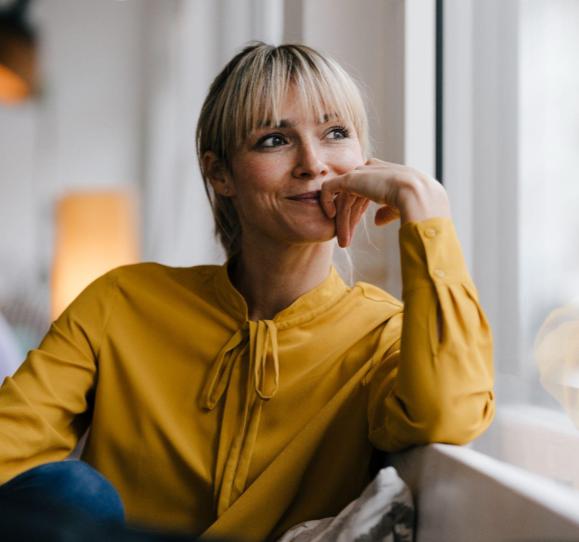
(81,131)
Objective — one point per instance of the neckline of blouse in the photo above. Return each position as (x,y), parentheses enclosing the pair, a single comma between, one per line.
(304,308)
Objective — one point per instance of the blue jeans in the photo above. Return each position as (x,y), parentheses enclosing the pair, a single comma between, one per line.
(65,485)
(69,501)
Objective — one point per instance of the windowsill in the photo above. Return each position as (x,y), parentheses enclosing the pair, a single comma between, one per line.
(462,494)
(540,440)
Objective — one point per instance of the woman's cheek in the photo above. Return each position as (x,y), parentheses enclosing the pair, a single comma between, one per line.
(350,160)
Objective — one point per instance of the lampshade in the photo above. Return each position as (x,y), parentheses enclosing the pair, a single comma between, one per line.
(18,66)
(95,232)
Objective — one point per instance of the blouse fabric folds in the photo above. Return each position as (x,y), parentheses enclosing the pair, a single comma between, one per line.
(214,424)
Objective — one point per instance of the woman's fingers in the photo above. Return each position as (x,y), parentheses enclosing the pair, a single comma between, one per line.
(401,191)
(343,204)
(350,209)
(328,193)
(346,205)
(347,208)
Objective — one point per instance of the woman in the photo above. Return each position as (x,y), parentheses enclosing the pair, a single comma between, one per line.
(239,400)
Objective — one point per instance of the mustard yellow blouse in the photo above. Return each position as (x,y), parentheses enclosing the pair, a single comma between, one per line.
(211,423)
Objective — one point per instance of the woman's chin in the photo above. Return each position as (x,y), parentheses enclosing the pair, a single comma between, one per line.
(319,235)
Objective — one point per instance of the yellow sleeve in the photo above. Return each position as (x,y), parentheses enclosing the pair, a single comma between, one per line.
(431,387)
(46,406)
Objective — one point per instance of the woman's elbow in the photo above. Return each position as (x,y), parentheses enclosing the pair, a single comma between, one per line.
(458,425)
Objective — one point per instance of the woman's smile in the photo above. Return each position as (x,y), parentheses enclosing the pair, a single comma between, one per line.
(309,198)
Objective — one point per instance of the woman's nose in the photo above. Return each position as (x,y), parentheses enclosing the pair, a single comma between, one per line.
(309,162)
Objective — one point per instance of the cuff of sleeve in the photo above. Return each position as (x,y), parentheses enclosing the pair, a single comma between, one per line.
(430,252)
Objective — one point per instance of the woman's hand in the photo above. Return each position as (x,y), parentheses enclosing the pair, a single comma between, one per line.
(403,192)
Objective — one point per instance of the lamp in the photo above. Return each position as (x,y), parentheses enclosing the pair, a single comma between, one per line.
(18,71)
(95,232)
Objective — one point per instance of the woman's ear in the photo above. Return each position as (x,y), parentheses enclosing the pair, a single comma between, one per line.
(217,174)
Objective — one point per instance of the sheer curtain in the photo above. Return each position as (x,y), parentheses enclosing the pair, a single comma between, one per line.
(511,135)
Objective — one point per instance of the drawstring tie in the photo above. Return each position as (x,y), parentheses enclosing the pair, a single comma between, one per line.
(238,434)
(262,338)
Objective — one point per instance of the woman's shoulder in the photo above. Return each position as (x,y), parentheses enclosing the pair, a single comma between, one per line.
(157,268)
(149,274)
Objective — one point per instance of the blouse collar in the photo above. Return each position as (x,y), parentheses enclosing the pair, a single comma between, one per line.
(304,308)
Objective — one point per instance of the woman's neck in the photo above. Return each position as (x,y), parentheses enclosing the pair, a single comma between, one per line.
(271,280)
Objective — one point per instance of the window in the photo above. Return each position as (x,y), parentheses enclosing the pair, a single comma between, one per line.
(511,157)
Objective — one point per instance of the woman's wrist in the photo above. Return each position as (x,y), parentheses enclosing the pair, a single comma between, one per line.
(423,199)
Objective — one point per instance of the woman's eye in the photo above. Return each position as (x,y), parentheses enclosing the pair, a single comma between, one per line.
(273,140)
(338,133)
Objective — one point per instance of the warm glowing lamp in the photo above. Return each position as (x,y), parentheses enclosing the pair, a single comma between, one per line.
(18,66)
(95,232)
(13,89)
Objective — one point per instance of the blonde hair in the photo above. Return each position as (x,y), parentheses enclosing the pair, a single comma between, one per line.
(249,92)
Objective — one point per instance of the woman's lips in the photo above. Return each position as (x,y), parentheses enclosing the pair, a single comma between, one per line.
(307,197)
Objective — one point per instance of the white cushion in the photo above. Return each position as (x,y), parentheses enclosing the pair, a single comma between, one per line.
(384,512)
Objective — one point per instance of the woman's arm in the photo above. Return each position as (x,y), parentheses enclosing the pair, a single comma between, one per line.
(435,382)
(46,406)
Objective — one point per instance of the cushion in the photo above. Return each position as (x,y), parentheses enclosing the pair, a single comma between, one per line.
(384,512)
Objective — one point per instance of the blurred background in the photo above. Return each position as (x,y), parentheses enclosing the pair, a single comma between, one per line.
(98,107)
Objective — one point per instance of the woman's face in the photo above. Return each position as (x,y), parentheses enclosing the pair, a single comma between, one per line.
(277,175)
